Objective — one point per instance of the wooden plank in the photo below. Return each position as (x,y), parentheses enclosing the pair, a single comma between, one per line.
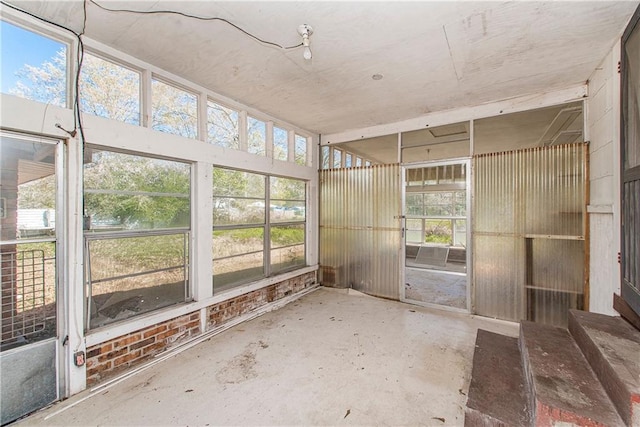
(625,310)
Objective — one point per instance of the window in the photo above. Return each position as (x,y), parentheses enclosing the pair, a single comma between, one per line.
(280,144)
(251,241)
(300,150)
(358,162)
(287,225)
(337,158)
(33,66)
(174,110)
(347,160)
(256,136)
(325,153)
(222,126)
(238,227)
(137,219)
(109,90)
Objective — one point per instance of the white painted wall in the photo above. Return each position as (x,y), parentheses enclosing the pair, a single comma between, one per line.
(603,132)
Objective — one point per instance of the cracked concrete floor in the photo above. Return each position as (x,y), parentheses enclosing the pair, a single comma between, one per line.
(329,358)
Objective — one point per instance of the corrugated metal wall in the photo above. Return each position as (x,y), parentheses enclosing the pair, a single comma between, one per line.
(529,222)
(360,232)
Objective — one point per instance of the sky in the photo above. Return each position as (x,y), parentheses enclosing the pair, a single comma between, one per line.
(20,47)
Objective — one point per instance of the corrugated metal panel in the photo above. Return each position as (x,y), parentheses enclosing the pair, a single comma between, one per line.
(360,234)
(529,224)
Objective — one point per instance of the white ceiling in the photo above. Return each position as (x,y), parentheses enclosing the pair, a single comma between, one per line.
(433,55)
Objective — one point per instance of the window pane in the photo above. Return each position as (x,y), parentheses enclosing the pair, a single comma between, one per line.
(347,161)
(228,211)
(222,126)
(287,247)
(174,110)
(237,270)
(287,235)
(256,136)
(414,204)
(124,191)
(239,241)
(228,182)
(460,235)
(438,231)
(460,203)
(358,162)
(337,158)
(287,258)
(286,211)
(325,157)
(414,230)
(438,204)
(33,66)
(280,144)
(109,90)
(301,150)
(287,189)
(135,275)
(28,189)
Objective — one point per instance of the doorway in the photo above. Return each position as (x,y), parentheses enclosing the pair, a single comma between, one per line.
(435,211)
(31,220)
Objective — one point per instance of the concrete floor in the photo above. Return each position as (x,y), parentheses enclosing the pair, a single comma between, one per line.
(329,358)
(436,287)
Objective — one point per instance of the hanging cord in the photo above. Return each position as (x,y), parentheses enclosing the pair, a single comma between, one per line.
(201,18)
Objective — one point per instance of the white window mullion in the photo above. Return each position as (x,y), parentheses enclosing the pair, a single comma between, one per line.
(269,150)
(202,117)
(146,99)
(243,130)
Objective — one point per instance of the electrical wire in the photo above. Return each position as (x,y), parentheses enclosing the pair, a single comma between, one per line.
(201,18)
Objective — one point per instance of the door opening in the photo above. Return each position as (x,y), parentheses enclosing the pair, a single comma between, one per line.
(30,220)
(436,234)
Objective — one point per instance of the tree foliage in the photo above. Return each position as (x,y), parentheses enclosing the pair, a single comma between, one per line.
(136,192)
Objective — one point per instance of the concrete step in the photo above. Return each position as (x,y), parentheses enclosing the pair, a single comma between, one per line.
(562,387)
(612,347)
(497,395)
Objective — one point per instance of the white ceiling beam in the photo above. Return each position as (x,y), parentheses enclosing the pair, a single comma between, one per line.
(512,105)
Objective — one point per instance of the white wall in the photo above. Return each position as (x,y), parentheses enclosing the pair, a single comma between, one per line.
(603,130)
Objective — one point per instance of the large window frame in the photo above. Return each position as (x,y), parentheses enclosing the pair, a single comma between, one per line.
(268,223)
(145,239)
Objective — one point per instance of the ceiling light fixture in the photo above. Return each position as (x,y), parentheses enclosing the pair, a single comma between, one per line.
(305,32)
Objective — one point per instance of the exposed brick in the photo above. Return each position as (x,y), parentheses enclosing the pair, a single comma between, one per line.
(154,331)
(93,352)
(154,348)
(122,342)
(100,368)
(166,334)
(142,343)
(127,358)
(112,354)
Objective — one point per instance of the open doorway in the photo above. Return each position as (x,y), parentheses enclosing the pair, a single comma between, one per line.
(435,211)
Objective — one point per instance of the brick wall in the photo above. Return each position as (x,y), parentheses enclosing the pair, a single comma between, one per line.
(226,310)
(117,355)
(113,357)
